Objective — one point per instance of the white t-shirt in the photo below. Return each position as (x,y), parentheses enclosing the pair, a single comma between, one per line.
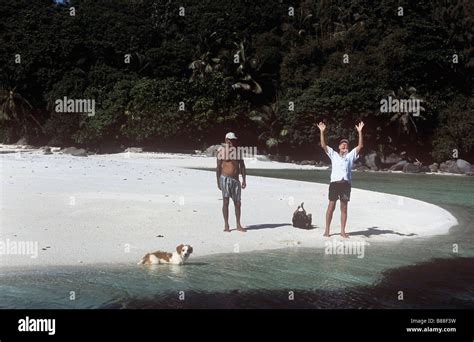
(341,166)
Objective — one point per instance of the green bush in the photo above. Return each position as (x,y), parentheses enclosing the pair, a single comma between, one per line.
(455,131)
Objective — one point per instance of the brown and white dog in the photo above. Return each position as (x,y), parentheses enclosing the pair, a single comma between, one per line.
(176,258)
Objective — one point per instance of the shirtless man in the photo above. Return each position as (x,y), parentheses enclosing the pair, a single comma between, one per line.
(229,166)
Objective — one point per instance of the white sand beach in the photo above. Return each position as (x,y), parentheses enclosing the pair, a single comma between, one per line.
(115,208)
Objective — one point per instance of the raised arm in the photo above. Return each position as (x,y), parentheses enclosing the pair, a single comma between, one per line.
(322,127)
(361,139)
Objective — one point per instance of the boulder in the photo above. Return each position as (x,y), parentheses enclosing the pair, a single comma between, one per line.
(307,162)
(434,167)
(449,166)
(463,165)
(412,168)
(362,168)
(399,166)
(425,168)
(262,157)
(134,149)
(321,164)
(392,158)
(211,151)
(22,141)
(76,152)
(46,150)
(372,160)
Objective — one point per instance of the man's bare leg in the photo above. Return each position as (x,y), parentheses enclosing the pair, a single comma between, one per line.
(329,212)
(225,212)
(237,206)
(343,218)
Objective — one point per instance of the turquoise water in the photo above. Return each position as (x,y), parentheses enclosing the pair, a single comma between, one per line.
(437,189)
(264,279)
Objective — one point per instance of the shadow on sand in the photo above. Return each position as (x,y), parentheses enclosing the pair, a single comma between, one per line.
(273,225)
(377,231)
(267,226)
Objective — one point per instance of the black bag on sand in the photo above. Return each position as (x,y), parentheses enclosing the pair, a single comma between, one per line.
(301,219)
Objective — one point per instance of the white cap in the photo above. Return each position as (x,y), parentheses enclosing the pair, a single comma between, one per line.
(230,136)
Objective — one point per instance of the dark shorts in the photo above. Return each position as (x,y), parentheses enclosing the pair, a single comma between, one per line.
(340,190)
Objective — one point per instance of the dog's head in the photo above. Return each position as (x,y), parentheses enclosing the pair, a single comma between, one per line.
(184,250)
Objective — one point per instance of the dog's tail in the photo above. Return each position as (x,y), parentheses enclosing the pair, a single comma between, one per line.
(142,261)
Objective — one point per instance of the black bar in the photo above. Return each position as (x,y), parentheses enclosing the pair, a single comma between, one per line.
(337,324)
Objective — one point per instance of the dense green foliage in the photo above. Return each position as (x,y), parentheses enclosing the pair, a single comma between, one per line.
(240,66)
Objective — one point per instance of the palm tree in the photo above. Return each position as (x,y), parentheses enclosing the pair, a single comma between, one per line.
(267,119)
(300,27)
(246,67)
(140,62)
(405,121)
(205,63)
(241,75)
(14,107)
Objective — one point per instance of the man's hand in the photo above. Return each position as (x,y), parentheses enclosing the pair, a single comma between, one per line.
(244,184)
(321,126)
(361,139)
(219,186)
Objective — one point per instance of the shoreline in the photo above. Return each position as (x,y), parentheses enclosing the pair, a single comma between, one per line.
(462,217)
(123,203)
(10,149)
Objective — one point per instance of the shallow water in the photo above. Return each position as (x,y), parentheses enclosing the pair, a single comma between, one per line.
(427,270)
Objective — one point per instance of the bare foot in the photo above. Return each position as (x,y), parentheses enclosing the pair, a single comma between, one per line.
(241,229)
(344,235)
(227,229)
(326,234)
